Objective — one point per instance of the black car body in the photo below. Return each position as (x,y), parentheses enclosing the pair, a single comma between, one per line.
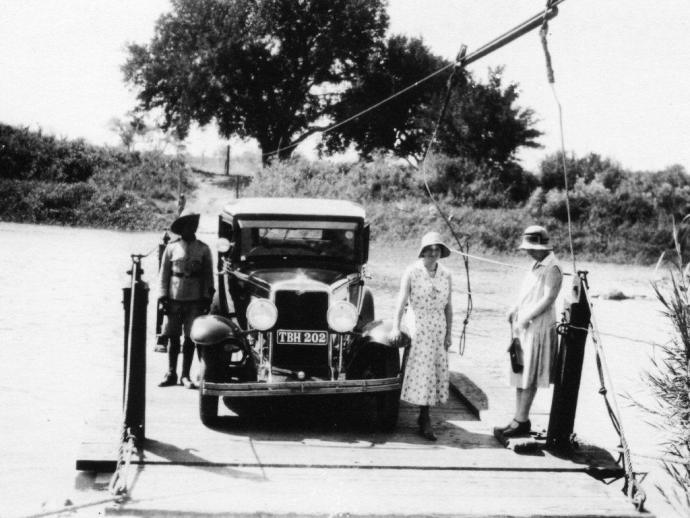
(292,314)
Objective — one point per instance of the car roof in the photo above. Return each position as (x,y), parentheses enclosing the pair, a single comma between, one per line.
(309,207)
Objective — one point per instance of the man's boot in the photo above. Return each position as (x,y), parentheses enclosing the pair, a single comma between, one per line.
(170,377)
(187,358)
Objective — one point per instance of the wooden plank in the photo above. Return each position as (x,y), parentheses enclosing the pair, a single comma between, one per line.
(468,393)
(268,491)
(101,434)
(329,432)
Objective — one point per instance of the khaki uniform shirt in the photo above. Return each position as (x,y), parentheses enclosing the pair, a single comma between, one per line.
(186,272)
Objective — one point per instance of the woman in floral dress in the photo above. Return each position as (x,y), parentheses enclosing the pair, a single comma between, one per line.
(427,286)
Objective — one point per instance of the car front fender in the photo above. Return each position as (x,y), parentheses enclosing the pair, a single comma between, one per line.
(378,332)
(213,329)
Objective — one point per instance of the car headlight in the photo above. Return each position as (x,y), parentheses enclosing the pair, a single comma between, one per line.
(342,316)
(223,245)
(262,314)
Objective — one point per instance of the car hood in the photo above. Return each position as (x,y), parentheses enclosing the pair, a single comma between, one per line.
(294,276)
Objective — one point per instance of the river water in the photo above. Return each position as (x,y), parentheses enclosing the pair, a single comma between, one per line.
(61,342)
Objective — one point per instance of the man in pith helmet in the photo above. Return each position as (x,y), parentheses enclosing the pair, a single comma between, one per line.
(186,291)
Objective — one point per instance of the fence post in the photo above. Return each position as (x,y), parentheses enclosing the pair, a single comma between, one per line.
(568,369)
(135,301)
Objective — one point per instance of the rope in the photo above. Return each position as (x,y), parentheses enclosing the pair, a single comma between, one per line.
(493,261)
(470,304)
(543,32)
(667,459)
(631,486)
(118,485)
(458,65)
(72,507)
(612,335)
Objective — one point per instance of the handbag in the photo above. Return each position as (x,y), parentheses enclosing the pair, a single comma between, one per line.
(517,362)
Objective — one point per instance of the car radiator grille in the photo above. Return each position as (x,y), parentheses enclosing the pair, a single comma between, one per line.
(304,311)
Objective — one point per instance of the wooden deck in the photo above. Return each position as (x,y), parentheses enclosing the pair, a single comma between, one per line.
(324,459)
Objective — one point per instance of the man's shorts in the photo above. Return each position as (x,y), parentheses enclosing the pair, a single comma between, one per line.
(181,315)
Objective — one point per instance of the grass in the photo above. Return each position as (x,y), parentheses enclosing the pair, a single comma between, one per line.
(670,380)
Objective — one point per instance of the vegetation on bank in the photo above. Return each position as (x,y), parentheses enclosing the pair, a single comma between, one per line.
(670,377)
(48,180)
(617,215)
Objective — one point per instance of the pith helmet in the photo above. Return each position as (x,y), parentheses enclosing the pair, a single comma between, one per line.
(187,216)
(535,238)
(433,238)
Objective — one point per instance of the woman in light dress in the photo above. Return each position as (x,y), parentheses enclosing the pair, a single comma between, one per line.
(427,286)
(534,320)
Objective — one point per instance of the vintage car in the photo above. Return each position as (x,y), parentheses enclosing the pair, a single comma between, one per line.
(292,315)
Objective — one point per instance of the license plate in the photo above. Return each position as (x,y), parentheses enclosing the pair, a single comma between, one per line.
(301,337)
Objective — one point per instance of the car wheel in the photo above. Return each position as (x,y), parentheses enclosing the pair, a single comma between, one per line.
(388,403)
(208,405)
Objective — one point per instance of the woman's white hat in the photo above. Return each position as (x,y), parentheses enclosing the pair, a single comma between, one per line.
(182,219)
(535,238)
(433,238)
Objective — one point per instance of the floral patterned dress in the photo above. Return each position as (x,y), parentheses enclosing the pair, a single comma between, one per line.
(426,373)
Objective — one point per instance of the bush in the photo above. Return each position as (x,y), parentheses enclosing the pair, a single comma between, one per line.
(30,155)
(480,185)
(46,180)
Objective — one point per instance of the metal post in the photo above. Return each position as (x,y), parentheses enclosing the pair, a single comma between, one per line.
(571,353)
(135,301)
(516,32)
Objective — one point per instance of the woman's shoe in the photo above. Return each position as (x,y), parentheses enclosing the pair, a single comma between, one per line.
(425,429)
(428,433)
(517,429)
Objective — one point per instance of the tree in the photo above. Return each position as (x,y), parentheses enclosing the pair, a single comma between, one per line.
(267,69)
(482,122)
(130,128)
(587,168)
(403,124)
(136,129)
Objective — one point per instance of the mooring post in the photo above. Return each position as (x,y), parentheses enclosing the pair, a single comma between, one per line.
(135,300)
(568,371)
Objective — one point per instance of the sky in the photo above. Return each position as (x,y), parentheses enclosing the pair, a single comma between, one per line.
(621,69)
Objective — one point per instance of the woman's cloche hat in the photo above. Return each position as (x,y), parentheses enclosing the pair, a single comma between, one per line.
(535,238)
(433,238)
(186,216)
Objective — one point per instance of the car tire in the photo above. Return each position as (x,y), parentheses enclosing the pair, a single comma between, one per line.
(208,405)
(388,403)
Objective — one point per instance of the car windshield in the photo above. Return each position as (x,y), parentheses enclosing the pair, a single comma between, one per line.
(330,240)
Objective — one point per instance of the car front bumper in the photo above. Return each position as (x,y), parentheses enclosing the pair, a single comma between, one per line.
(297,388)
